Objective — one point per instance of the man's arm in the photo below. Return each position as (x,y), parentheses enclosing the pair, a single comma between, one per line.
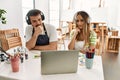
(51,46)
(31,43)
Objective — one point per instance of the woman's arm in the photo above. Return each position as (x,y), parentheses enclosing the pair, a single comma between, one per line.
(93,38)
(72,43)
(73,35)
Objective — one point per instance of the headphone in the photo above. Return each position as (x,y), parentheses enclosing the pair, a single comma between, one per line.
(34,12)
(85,14)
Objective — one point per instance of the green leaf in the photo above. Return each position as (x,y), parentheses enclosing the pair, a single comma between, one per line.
(2,17)
(3,22)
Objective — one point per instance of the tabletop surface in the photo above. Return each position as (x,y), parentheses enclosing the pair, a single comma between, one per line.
(31,70)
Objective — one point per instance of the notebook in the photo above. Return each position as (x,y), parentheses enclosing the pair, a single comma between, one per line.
(59,62)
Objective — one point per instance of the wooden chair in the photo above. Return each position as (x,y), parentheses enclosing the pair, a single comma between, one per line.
(10,38)
(101,30)
(114,32)
(61,37)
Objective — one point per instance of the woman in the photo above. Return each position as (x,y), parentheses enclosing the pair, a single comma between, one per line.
(82,37)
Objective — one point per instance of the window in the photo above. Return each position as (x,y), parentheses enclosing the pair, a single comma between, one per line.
(26,6)
(54,9)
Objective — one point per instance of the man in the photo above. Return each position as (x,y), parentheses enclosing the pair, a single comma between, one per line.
(39,36)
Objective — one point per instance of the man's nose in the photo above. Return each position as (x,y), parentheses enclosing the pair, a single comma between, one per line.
(38,22)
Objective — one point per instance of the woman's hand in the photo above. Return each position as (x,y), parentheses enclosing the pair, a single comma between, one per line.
(83,51)
(77,30)
(90,49)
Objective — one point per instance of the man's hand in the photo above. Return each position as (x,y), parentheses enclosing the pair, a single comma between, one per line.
(38,30)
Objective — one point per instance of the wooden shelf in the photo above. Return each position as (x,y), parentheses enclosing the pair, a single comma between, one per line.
(113,44)
(116,37)
(112,51)
(10,38)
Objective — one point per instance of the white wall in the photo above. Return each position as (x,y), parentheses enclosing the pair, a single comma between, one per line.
(14,14)
(43,5)
(118,13)
(112,12)
(111,6)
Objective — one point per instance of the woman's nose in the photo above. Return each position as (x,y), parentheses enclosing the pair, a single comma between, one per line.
(79,22)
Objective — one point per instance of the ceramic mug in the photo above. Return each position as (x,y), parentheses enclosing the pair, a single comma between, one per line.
(15,64)
(89,63)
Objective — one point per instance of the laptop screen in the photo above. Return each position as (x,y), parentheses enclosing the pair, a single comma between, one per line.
(59,62)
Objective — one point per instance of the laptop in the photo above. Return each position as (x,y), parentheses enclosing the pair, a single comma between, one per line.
(59,62)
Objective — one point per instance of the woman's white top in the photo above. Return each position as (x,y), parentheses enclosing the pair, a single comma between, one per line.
(79,45)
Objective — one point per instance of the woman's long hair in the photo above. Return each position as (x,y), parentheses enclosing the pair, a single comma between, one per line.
(86,27)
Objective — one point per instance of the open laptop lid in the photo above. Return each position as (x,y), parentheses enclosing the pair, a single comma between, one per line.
(59,62)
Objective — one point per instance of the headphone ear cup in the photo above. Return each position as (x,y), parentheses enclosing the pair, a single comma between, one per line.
(42,16)
(28,20)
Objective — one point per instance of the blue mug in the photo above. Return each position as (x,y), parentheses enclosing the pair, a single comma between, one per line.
(89,63)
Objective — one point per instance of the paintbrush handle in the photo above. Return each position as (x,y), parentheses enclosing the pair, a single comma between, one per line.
(1,49)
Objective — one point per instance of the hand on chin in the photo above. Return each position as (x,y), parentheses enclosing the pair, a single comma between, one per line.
(80,27)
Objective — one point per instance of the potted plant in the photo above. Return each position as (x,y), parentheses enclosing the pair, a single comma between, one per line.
(2,17)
